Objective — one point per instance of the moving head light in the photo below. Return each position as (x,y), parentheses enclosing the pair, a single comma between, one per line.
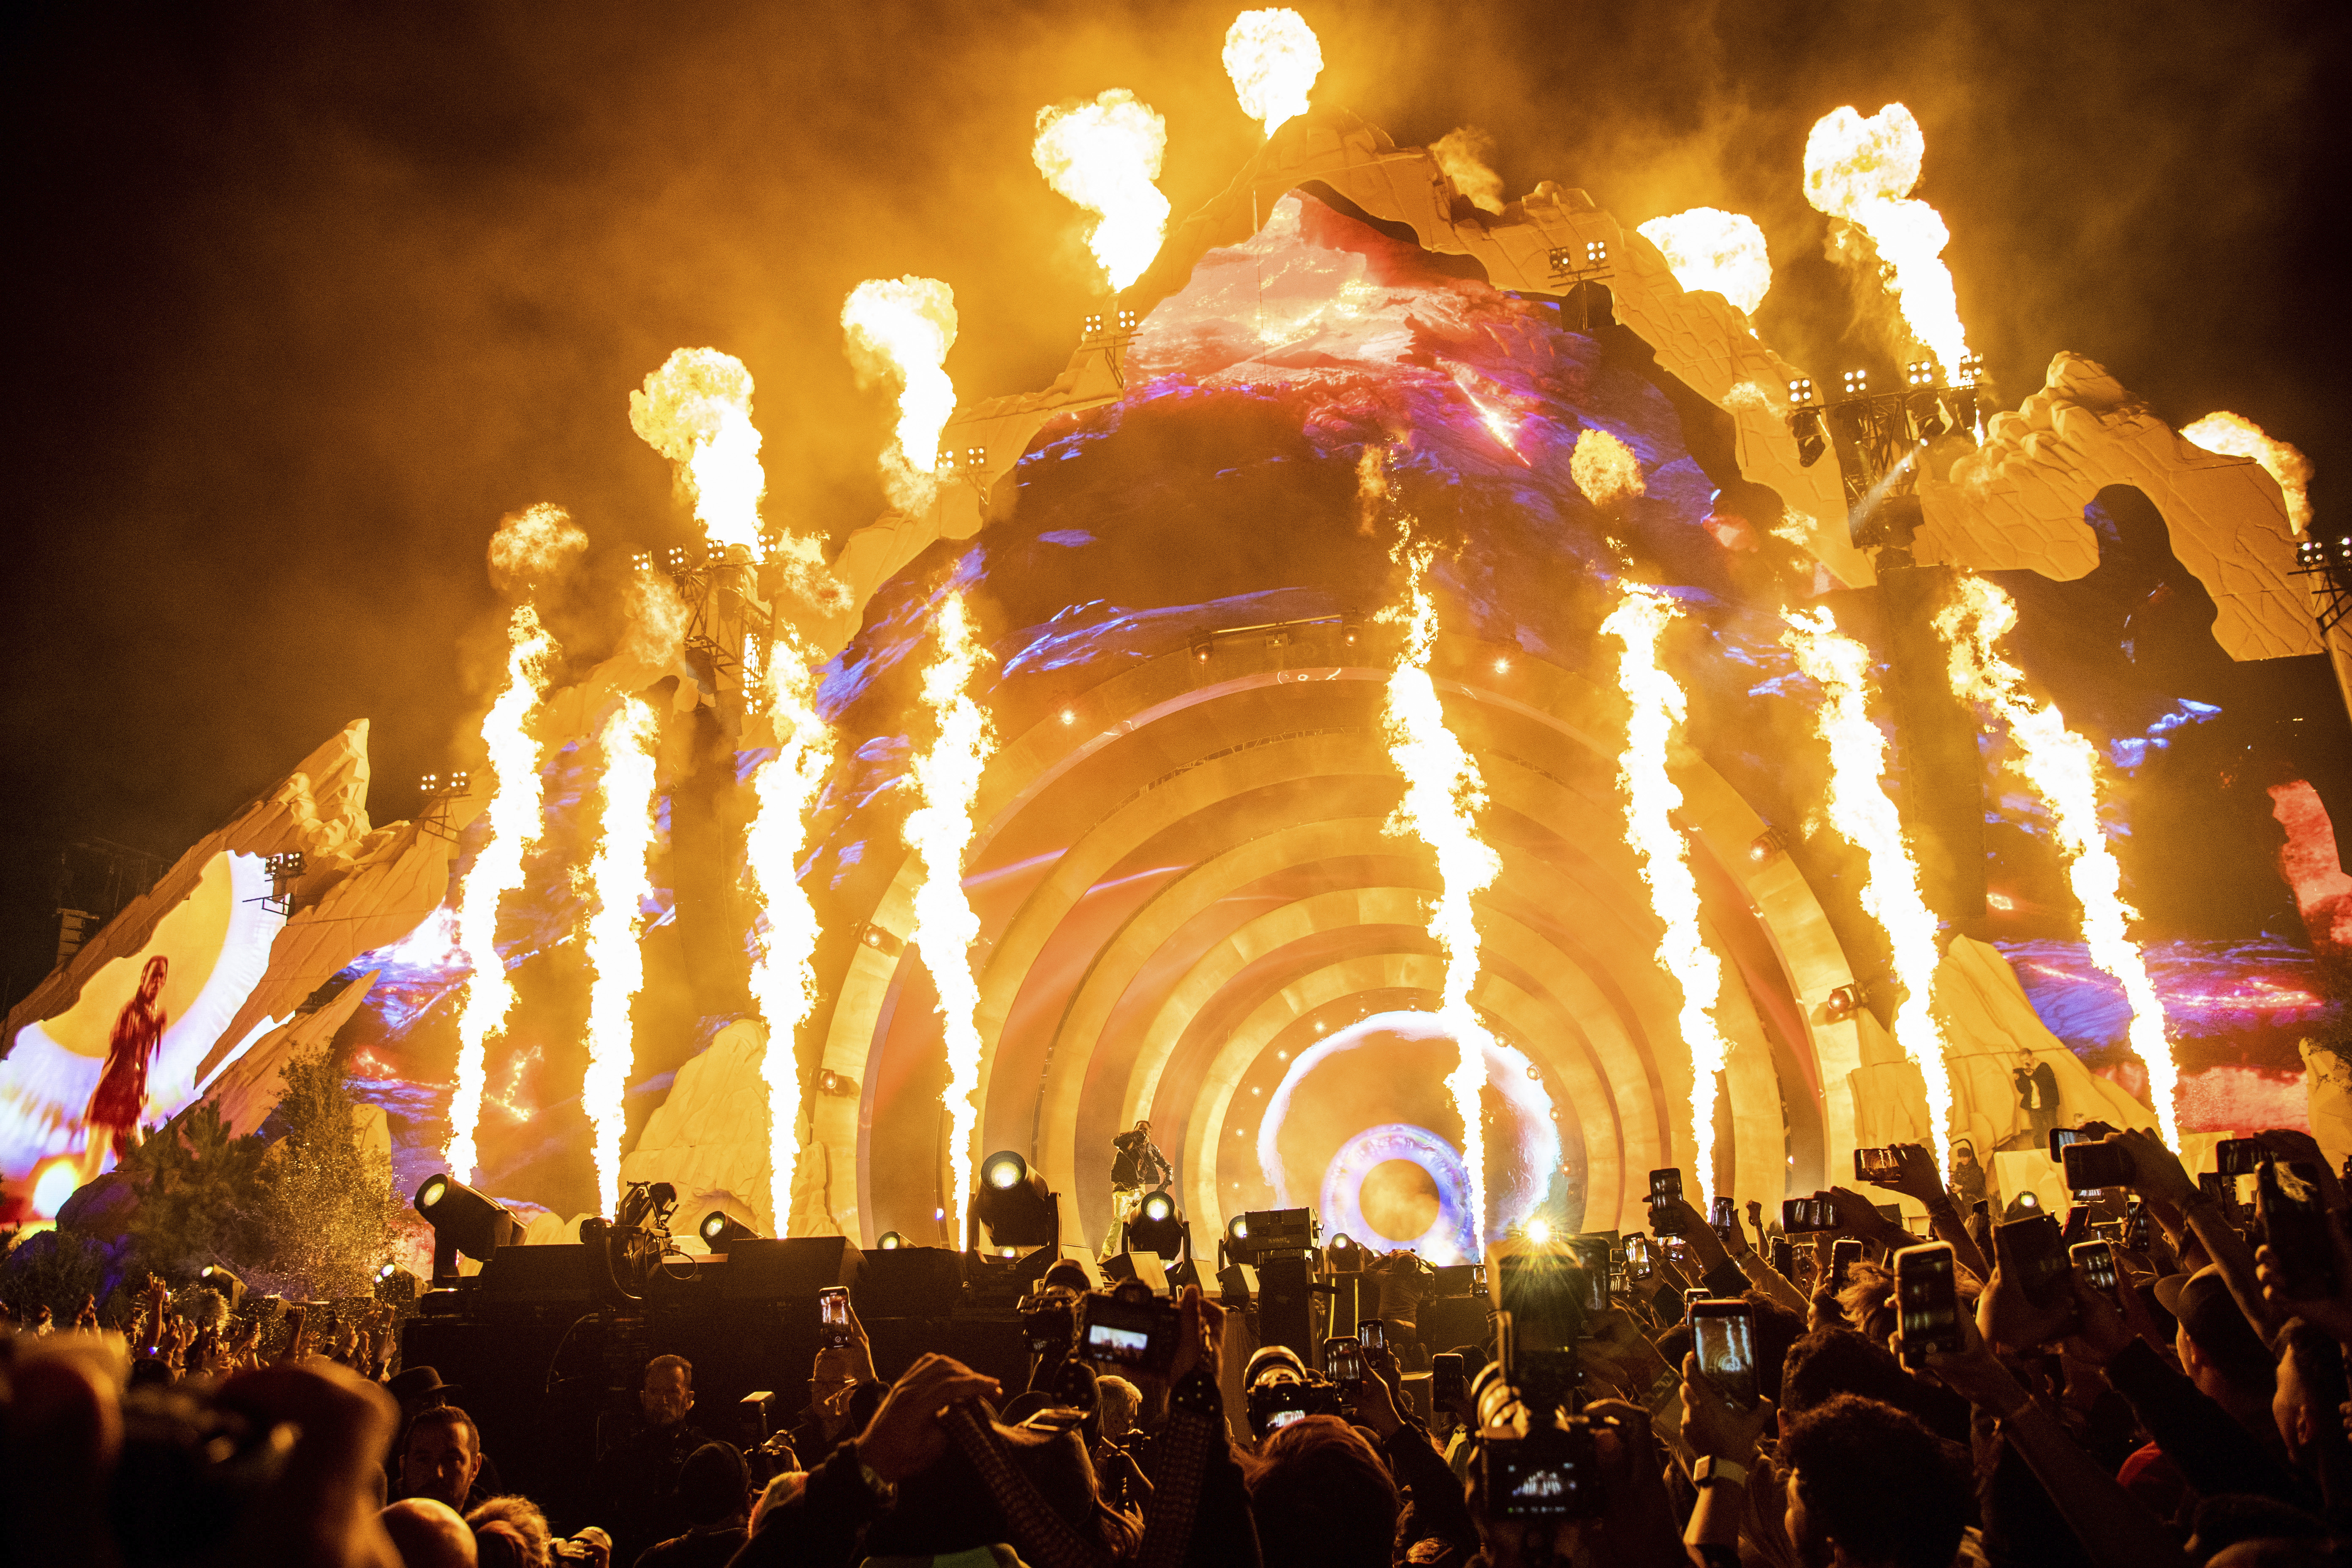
(1012,1202)
(719,1229)
(1157,1226)
(463,1221)
(214,1276)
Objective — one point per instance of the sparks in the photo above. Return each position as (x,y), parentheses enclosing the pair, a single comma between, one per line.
(1651,798)
(617,880)
(1103,156)
(1863,171)
(1707,247)
(940,832)
(899,330)
(784,964)
(1859,808)
(515,798)
(1444,794)
(1274,59)
(2063,768)
(696,410)
(2235,436)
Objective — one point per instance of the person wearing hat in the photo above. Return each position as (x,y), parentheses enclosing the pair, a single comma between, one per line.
(420,1389)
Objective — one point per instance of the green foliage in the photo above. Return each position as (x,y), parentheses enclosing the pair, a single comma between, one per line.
(55,1269)
(199,1189)
(326,1214)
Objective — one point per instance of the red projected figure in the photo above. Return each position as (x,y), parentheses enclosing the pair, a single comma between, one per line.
(116,1104)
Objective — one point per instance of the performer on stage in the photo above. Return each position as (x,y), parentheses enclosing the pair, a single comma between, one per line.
(1136,1165)
(116,1105)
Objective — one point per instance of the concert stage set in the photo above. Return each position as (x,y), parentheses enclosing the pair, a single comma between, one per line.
(1408,712)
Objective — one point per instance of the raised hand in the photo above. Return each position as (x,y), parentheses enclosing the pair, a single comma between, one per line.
(905,1435)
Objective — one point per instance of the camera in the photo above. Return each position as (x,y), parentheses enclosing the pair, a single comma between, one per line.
(1665,1185)
(1132,1332)
(1536,1459)
(1273,1405)
(1047,1323)
(590,1545)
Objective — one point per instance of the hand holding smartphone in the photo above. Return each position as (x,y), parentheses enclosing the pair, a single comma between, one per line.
(1928,1301)
(1723,1337)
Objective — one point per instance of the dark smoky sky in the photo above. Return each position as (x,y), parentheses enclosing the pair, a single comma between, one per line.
(305,297)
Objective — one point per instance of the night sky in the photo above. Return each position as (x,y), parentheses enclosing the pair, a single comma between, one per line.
(306,298)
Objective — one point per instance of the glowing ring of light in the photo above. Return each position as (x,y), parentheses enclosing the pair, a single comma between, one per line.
(1448,1236)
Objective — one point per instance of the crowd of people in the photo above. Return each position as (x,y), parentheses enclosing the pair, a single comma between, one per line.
(2188,1407)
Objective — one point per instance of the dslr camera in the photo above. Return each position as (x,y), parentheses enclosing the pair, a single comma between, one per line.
(1129,1328)
(1537,1458)
(1273,1405)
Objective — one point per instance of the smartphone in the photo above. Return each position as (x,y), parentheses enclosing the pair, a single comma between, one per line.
(1723,1218)
(1665,1184)
(2239,1156)
(1343,1362)
(1881,1167)
(2223,1189)
(1591,1281)
(2291,1220)
(2061,1138)
(1693,1293)
(1799,1217)
(1640,1262)
(2090,1166)
(1373,1334)
(1723,1336)
(1844,1253)
(2078,1224)
(1784,1258)
(1449,1384)
(2096,1260)
(2033,1253)
(1544,1292)
(833,1318)
(1927,1299)
(1137,1334)
(2137,1235)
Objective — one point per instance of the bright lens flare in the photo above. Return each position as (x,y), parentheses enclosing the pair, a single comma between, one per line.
(696,412)
(1863,171)
(1859,808)
(783,961)
(1443,796)
(618,878)
(940,832)
(1273,60)
(1651,798)
(2235,436)
(1103,156)
(2063,768)
(516,792)
(1707,247)
(900,331)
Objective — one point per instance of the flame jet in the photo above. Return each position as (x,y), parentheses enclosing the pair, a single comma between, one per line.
(939,831)
(1651,798)
(618,878)
(2063,768)
(783,963)
(1273,59)
(1707,247)
(1863,171)
(2235,436)
(1444,794)
(1103,156)
(899,330)
(1860,809)
(515,801)
(696,410)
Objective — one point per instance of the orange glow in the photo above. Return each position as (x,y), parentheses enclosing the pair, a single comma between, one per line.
(900,331)
(1492,413)
(1273,59)
(2234,435)
(618,878)
(1103,156)
(1863,171)
(1707,247)
(696,410)
(1604,467)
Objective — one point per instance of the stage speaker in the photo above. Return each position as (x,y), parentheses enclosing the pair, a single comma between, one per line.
(558,1272)
(793,1269)
(908,1282)
(1285,1305)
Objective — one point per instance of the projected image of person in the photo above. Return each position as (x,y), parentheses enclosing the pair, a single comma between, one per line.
(1136,1166)
(121,1097)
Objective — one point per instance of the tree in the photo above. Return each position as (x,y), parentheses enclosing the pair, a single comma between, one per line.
(328,1216)
(55,1269)
(199,1190)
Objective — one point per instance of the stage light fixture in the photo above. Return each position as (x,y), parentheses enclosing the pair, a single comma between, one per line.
(1971,369)
(463,1221)
(1767,844)
(1012,1202)
(1857,384)
(1157,1226)
(1805,425)
(212,1276)
(1929,418)
(1841,1004)
(1537,1231)
(1921,373)
(1342,1256)
(718,1228)
(891,1242)
(396,1285)
(1801,391)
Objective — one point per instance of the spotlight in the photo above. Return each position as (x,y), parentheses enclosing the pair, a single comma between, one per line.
(463,1220)
(1928,415)
(1238,1232)
(1805,425)
(720,1228)
(1841,1004)
(1014,1206)
(1767,844)
(1537,1231)
(1596,253)
(231,1288)
(891,1242)
(1857,384)
(1800,392)
(1157,1226)
(1921,373)
(1971,369)
(1343,1256)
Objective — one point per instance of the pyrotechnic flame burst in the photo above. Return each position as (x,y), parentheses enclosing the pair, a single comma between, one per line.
(1274,59)
(1651,799)
(1444,794)
(1464,155)
(1862,171)
(2235,436)
(533,545)
(618,878)
(784,965)
(696,410)
(1859,808)
(1707,247)
(516,792)
(939,831)
(2063,768)
(1103,156)
(1604,467)
(900,330)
